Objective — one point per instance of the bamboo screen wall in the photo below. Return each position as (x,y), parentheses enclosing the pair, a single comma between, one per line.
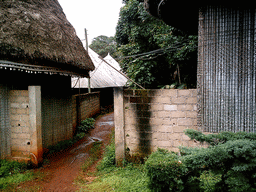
(5,132)
(226,70)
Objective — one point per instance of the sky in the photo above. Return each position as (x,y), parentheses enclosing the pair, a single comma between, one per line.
(99,17)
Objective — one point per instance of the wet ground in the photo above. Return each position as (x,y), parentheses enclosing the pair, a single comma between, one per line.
(63,168)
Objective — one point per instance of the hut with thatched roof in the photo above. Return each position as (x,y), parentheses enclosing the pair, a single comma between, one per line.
(39,53)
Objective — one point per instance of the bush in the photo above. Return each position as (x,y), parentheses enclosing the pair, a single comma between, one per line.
(234,160)
(165,171)
(8,168)
(86,125)
(220,138)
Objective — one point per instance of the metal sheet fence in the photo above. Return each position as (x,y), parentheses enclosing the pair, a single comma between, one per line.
(226,70)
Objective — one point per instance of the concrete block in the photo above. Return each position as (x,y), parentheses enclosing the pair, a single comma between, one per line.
(185,121)
(165,128)
(178,100)
(193,92)
(163,114)
(156,107)
(162,144)
(191,100)
(128,92)
(170,107)
(175,136)
(15,105)
(20,135)
(160,99)
(177,114)
(178,129)
(187,107)
(191,114)
(25,105)
(169,92)
(184,92)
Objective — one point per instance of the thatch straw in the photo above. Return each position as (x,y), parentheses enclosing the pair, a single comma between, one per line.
(38,32)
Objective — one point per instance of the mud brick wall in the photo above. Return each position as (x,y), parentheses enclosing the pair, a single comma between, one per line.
(19,120)
(85,106)
(157,118)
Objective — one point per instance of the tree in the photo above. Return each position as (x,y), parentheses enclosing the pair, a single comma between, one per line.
(171,57)
(104,45)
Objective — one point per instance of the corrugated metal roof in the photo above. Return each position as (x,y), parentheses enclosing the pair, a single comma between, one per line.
(103,75)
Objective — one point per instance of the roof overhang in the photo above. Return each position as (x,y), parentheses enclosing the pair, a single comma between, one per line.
(37,69)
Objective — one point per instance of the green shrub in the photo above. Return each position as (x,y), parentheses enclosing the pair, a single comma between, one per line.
(86,125)
(165,171)
(234,160)
(8,168)
(12,172)
(220,138)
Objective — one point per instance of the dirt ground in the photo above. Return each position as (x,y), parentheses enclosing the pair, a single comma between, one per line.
(64,167)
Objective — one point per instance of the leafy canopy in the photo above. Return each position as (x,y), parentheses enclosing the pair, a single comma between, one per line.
(104,45)
(137,32)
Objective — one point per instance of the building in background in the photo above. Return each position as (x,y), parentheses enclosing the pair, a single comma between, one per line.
(104,78)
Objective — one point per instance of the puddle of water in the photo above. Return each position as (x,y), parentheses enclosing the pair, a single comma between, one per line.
(111,123)
(85,144)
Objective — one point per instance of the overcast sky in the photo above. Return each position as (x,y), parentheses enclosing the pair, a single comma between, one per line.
(99,17)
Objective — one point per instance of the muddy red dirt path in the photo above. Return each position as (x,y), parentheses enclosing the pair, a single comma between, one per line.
(64,167)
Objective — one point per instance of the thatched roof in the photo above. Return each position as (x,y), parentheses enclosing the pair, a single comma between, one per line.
(38,32)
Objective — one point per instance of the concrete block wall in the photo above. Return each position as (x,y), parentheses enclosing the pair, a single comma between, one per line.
(85,106)
(157,118)
(20,124)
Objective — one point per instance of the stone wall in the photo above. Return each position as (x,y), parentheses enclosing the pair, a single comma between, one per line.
(157,118)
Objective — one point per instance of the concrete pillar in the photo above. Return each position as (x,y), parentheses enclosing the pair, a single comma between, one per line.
(36,144)
(119,125)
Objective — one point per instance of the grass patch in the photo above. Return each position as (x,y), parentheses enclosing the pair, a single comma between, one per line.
(12,173)
(130,178)
(94,155)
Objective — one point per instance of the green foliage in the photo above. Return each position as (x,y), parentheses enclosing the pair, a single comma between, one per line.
(103,45)
(12,172)
(165,171)
(222,137)
(94,155)
(86,125)
(8,168)
(208,180)
(108,161)
(137,32)
(129,178)
(234,159)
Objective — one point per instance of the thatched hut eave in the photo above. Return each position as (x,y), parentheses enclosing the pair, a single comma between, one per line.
(38,33)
